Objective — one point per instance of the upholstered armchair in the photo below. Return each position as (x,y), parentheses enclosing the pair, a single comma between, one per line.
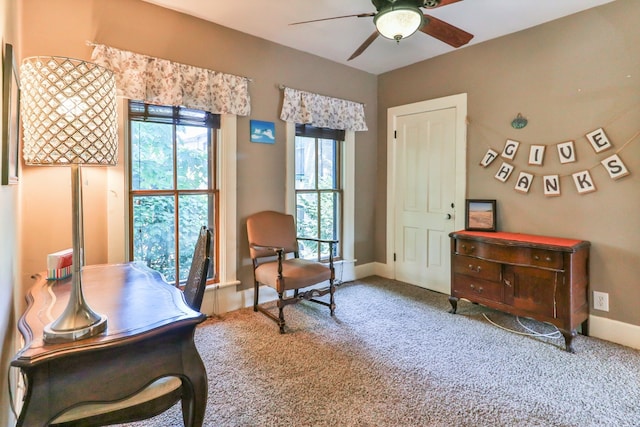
(274,249)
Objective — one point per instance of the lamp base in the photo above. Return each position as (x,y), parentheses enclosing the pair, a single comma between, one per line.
(85,323)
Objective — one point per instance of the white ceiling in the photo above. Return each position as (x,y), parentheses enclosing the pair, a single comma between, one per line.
(337,39)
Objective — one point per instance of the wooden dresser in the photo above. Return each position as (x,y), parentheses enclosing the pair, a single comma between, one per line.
(544,278)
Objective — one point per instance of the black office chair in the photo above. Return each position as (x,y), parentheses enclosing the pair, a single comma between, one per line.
(164,392)
(197,279)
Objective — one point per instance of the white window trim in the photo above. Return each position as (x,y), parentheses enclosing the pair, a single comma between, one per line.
(117,201)
(345,270)
(227,179)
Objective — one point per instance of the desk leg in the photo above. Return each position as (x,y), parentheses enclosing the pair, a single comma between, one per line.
(194,386)
(37,414)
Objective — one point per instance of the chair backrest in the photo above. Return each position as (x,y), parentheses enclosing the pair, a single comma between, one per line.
(196,282)
(272,229)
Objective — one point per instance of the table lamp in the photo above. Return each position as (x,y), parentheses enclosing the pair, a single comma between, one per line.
(69,116)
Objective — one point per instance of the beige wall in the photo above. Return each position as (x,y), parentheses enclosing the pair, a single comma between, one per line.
(568,77)
(62,27)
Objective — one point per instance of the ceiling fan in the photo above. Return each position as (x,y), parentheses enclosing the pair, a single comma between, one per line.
(398,19)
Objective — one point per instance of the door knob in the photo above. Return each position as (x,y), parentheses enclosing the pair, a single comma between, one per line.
(448,216)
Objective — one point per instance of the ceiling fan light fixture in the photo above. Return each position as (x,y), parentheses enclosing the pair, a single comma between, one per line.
(398,20)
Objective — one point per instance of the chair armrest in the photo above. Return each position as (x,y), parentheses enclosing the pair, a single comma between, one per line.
(278,251)
(331,242)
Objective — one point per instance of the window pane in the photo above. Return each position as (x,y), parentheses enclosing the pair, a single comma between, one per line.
(193,157)
(194,213)
(307,223)
(305,163)
(326,164)
(151,156)
(172,161)
(329,220)
(153,227)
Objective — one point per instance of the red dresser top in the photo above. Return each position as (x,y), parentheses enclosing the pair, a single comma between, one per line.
(524,238)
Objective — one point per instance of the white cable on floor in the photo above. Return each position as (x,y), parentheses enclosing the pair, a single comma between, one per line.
(554,334)
(531,333)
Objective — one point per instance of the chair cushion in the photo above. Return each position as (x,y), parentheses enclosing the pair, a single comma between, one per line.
(154,390)
(297,273)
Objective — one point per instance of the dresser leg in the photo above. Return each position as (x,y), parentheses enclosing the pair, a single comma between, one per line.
(568,339)
(454,304)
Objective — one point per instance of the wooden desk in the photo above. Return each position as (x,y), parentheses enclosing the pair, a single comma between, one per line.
(149,335)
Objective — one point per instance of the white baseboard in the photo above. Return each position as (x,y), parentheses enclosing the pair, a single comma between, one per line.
(373,269)
(614,331)
(222,299)
(365,270)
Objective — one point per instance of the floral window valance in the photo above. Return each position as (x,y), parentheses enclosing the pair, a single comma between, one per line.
(322,111)
(162,82)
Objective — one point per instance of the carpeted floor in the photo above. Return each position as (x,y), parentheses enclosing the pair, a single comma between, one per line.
(394,356)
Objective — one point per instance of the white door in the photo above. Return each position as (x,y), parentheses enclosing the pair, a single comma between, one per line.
(425,196)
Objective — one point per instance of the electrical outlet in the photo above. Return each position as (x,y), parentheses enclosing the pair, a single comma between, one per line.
(601,301)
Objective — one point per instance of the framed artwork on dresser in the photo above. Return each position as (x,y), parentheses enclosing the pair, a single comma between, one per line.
(481,215)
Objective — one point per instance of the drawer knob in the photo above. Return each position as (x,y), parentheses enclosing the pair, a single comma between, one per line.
(473,288)
(548,258)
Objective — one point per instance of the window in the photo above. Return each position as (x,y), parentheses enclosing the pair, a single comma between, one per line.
(173,189)
(318,188)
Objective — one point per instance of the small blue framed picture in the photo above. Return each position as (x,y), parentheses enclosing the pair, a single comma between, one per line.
(264,132)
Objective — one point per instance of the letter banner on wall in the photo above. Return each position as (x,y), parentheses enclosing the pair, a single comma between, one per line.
(566,152)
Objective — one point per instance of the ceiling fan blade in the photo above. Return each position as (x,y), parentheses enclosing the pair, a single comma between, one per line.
(364,45)
(359,15)
(445,32)
(442,3)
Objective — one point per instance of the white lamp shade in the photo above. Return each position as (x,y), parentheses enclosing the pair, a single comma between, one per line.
(69,112)
(398,22)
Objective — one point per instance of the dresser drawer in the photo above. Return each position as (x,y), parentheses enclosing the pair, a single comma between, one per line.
(474,288)
(476,267)
(470,247)
(519,255)
(547,259)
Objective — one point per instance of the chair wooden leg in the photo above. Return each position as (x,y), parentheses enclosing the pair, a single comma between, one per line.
(332,302)
(255,296)
(281,312)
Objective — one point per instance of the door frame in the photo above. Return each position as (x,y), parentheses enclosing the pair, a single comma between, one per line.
(459,102)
